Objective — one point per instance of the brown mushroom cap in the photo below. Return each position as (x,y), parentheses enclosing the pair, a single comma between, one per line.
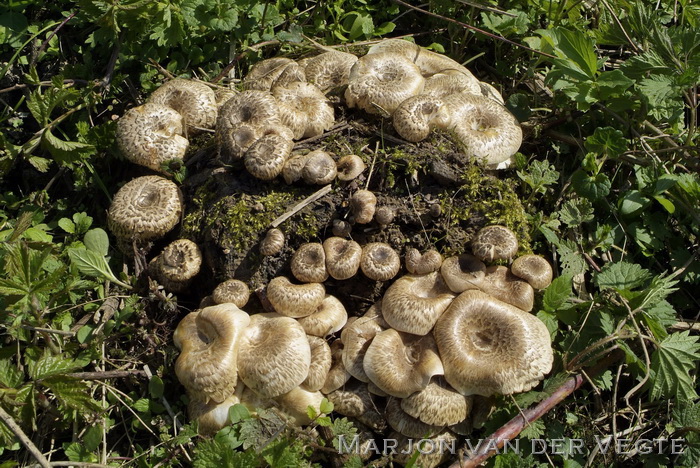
(231,291)
(430,63)
(320,364)
(494,242)
(274,355)
(534,269)
(438,404)
(417,116)
(384,215)
(209,343)
(329,70)
(178,264)
(319,168)
(296,402)
(337,375)
(363,204)
(349,167)
(329,318)
(266,157)
(309,263)
(273,242)
(353,400)
(294,167)
(145,208)
(407,425)
(266,74)
(194,100)
(500,283)
(420,264)
(401,363)
(413,303)
(379,261)
(488,346)
(304,109)
(357,337)
(294,300)
(150,135)
(463,272)
(342,257)
(451,82)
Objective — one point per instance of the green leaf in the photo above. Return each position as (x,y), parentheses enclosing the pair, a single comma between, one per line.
(633,203)
(612,83)
(326,406)
(49,365)
(142,405)
(93,264)
(67,225)
(591,187)
(237,413)
(66,152)
(10,375)
(557,293)
(576,212)
(212,453)
(84,334)
(606,141)
(666,203)
(622,276)
(82,222)
(92,438)
(673,364)
(539,175)
(576,53)
(156,387)
(72,393)
(97,241)
(534,430)
(77,452)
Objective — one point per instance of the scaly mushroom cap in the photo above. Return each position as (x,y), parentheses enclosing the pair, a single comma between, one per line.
(430,63)
(413,303)
(342,257)
(534,269)
(296,402)
(500,283)
(357,337)
(349,167)
(432,451)
(484,128)
(309,263)
(145,208)
(319,168)
(209,342)
(274,355)
(231,291)
(329,70)
(438,404)
(337,375)
(294,300)
(273,243)
(417,116)
(380,82)
(266,157)
(401,363)
(488,346)
(266,74)
(494,242)
(329,318)
(304,109)
(194,100)
(150,135)
(353,400)
(451,82)
(463,272)
(363,204)
(407,425)
(384,215)
(178,264)
(379,261)
(294,167)
(222,95)
(320,364)
(420,264)
(212,416)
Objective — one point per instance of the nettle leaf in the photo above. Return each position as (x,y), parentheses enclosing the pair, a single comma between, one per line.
(210,452)
(534,430)
(72,393)
(557,293)
(48,365)
(686,417)
(66,152)
(576,212)
(539,175)
(592,187)
(506,25)
(672,364)
(606,141)
(10,375)
(622,276)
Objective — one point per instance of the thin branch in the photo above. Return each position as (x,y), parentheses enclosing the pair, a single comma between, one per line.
(53,33)
(102,375)
(301,205)
(28,444)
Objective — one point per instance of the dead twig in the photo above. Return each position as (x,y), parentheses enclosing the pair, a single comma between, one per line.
(102,375)
(28,444)
(301,205)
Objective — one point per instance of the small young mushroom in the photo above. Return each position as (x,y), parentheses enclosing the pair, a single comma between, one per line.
(357,337)
(384,215)
(294,167)
(319,168)
(379,261)
(420,264)
(265,74)
(266,157)
(178,264)
(304,109)
(463,272)
(211,416)
(330,317)
(231,291)
(495,242)
(296,402)
(194,100)
(320,364)
(417,116)
(329,70)
(342,257)
(534,269)
(309,263)
(363,204)
(353,400)
(341,228)
(349,167)
(294,300)
(273,243)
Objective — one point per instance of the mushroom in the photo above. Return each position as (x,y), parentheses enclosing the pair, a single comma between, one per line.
(294,167)
(349,167)
(431,451)
(379,261)
(438,404)
(363,204)
(413,303)
(451,82)
(407,425)
(178,264)
(357,337)
(353,400)
(428,62)
(304,109)
(151,135)
(417,116)
(329,70)
(500,283)
(209,342)
(296,402)
(487,90)
(337,375)
(268,73)
(319,168)
(273,242)
(194,100)
(329,318)
(341,228)
(494,242)
(231,291)
(534,269)
(490,347)
(342,257)
(420,264)
(400,363)
(309,263)
(294,300)
(463,272)
(145,208)
(320,364)
(384,215)
(274,355)
(211,416)
(266,157)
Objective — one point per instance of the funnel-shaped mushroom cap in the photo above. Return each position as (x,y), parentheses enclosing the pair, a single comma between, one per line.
(178,264)
(194,100)
(357,337)
(320,364)
(534,269)
(380,82)
(329,318)
(349,167)
(266,74)
(420,264)
(232,291)
(150,135)
(488,346)
(266,157)
(500,283)
(294,300)
(487,90)
(274,356)
(212,416)
(272,243)
(438,404)
(209,343)
(319,168)
(379,261)
(342,257)
(145,208)
(363,204)
(484,128)
(401,363)
(451,82)
(407,425)
(329,70)
(495,242)
(296,402)
(337,375)
(304,109)
(415,302)
(429,62)
(417,116)
(463,272)
(309,263)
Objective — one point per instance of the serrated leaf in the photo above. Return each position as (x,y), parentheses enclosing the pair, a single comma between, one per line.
(534,430)
(326,406)
(576,212)
(622,276)
(606,141)
(10,375)
(211,453)
(672,365)
(557,293)
(593,187)
(72,393)
(75,451)
(604,381)
(66,152)
(539,175)
(48,365)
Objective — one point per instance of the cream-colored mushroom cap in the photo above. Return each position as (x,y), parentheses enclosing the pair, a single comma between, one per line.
(353,400)
(294,167)
(490,347)
(272,243)
(319,168)
(179,262)
(321,361)
(231,291)
(145,208)
(487,90)
(431,451)
(266,74)
(194,100)
(413,303)
(438,404)
(379,261)
(384,215)
(296,402)
(329,70)
(407,425)
(337,375)
(304,109)
(294,300)
(274,355)
(266,157)
(209,342)
(349,167)
(363,204)
(485,129)
(463,272)
(420,264)
(342,257)
(357,337)
(150,135)
(212,416)
(534,269)
(328,318)
(451,82)
(417,116)
(494,242)
(380,82)
(500,283)
(309,263)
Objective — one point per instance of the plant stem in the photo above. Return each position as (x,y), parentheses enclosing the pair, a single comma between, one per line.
(28,444)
